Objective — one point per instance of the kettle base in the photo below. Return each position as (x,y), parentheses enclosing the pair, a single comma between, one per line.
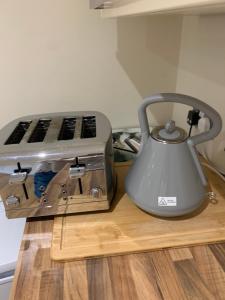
(189,212)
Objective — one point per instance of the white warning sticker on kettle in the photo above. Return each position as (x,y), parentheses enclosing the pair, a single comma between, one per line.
(167,201)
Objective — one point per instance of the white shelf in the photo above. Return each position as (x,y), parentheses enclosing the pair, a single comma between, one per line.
(140,7)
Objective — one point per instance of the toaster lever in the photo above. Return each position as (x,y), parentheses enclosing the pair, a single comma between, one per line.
(76,171)
(17,177)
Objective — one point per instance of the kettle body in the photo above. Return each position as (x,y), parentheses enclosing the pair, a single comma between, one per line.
(166,178)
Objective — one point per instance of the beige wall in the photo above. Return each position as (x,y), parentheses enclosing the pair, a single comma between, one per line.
(201,72)
(57,55)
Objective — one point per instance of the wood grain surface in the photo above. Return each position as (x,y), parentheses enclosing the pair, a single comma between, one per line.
(185,273)
(175,274)
(128,229)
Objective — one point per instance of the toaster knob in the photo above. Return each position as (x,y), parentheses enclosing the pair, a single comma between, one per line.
(96,192)
(12,200)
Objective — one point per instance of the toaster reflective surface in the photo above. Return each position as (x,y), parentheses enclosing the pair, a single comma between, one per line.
(63,164)
(57,187)
(51,188)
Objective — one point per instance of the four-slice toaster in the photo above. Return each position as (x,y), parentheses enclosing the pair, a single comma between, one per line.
(56,163)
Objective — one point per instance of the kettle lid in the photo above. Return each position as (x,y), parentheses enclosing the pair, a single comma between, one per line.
(169,134)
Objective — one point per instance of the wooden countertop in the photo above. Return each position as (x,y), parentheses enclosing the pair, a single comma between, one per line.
(185,273)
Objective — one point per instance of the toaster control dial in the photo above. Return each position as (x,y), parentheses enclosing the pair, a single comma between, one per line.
(12,200)
(96,192)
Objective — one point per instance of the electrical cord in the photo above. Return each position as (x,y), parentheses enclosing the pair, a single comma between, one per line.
(213,169)
(189,134)
(193,118)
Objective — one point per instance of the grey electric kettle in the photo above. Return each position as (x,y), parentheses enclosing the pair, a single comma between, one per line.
(166,178)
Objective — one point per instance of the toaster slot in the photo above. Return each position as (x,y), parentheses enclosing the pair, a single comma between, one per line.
(67,129)
(18,133)
(39,131)
(88,127)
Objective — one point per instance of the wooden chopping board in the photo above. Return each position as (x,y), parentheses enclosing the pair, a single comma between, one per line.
(127,229)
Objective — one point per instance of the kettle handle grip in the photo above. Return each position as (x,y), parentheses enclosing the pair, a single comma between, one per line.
(212,114)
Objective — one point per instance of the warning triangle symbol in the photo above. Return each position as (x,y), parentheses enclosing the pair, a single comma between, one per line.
(162,202)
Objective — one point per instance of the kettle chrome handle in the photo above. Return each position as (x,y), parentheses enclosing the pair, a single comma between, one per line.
(214,117)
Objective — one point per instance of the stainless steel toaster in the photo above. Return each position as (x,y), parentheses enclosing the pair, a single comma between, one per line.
(56,163)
